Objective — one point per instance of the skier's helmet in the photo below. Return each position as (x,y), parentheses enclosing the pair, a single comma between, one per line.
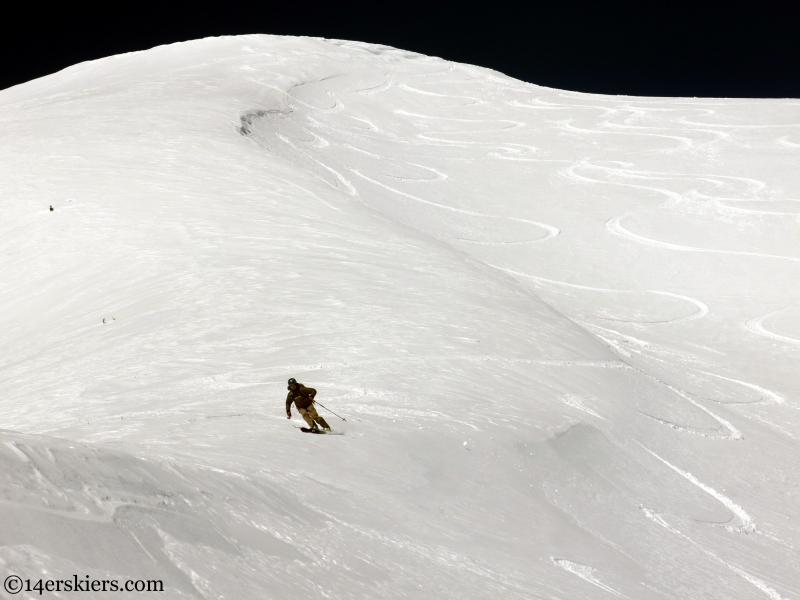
(292,381)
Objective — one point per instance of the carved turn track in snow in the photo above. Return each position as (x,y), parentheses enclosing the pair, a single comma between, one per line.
(757,326)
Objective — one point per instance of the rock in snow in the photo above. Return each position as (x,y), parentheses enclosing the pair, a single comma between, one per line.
(597,296)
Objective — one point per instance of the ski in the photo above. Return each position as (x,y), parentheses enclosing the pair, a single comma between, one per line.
(307,430)
(319,431)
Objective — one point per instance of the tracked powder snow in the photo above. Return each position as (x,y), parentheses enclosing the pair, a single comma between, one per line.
(563,329)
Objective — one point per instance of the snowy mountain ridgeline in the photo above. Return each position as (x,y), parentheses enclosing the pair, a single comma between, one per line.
(563,329)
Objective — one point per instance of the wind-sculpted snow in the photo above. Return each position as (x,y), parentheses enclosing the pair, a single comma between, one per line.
(563,330)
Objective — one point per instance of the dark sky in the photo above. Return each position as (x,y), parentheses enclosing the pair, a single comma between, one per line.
(676,48)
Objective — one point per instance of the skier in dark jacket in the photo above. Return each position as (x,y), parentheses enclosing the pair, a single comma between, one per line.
(303,399)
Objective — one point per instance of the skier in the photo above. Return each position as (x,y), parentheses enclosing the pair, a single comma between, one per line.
(303,398)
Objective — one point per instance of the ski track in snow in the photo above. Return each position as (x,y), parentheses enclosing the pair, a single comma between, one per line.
(624,170)
(702,309)
(551,231)
(684,143)
(761,419)
(388,83)
(584,572)
(513,124)
(419,360)
(614,224)
(784,141)
(756,326)
(733,432)
(616,228)
(768,396)
(438,175)
(575,402)
(747,523)
(720,203)
(770,592)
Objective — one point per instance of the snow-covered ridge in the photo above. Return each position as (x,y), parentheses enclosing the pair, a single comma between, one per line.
(563,329)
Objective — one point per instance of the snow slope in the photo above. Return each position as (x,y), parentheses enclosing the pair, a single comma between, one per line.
(563,328)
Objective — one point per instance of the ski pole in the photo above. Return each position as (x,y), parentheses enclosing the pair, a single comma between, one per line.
(329,410)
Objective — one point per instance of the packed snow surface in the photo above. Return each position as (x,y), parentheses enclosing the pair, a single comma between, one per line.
(563,328)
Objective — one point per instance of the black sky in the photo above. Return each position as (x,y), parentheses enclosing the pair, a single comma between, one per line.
(653,48)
